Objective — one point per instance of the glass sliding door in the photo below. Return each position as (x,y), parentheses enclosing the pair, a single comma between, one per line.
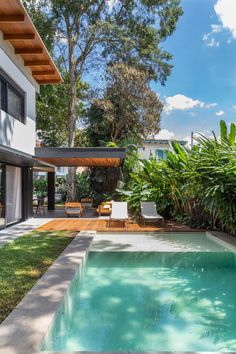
(13,194)
(2,196)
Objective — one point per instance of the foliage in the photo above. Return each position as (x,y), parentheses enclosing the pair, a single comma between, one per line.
(103,181)
(52,108)
(40,187)
(52,112)
(129,107)
(46,26)
(24,261)
(83,186)
(131,31)
(197,186)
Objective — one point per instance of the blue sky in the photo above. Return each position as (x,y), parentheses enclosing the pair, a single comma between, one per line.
(202,87)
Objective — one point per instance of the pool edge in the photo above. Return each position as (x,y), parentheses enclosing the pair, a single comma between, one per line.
(23,330)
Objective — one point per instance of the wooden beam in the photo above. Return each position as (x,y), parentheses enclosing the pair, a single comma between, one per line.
(37,63)
(29,50)
(43,73)
(19,36)
(48,81)
(12,18)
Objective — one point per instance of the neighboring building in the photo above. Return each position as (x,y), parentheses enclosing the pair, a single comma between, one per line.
(24,65)
(157,148)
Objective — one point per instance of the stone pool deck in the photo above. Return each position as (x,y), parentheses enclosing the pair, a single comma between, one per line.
(23,330)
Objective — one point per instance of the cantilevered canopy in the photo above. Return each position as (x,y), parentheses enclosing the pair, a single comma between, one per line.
(84,157)
(19,30)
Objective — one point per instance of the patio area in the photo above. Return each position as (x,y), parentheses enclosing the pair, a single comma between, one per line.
(59,213)
(101,225)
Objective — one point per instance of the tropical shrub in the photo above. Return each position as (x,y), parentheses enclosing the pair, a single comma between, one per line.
(40,187)
(83,186)
(196,186)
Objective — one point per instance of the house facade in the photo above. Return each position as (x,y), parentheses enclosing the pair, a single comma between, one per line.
(24,65)
(157,148)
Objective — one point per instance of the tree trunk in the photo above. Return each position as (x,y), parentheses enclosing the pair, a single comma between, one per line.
(72,116)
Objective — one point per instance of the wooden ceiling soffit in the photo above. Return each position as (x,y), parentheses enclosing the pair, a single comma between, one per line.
(18,29)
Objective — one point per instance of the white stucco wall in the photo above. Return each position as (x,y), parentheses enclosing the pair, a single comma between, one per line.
(13,133)
(149,148)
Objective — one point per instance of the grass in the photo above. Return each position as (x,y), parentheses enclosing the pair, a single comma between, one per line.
(24,261)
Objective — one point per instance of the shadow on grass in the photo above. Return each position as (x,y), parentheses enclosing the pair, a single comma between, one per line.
(24,261)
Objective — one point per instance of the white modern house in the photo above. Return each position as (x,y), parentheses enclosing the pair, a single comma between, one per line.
(157,148)
(25,64)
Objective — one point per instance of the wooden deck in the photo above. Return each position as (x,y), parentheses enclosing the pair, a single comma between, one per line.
(102,226)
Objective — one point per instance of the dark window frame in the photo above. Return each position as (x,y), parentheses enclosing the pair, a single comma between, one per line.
(3,194)
(6,82)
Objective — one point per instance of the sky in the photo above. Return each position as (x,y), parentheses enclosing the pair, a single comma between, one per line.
(201,89)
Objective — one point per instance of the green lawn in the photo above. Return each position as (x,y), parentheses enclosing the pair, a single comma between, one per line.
(24,261)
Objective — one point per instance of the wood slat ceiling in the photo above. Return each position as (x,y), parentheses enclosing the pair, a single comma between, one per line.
(19,30)
(82,162)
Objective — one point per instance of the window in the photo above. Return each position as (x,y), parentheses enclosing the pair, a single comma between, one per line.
(159,154)
(12,98)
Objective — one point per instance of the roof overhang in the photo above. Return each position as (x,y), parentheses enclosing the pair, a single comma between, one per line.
(81,157)
(20,31)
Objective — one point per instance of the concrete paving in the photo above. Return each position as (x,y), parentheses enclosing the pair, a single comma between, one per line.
(161,242)
(11,233)
(23,330)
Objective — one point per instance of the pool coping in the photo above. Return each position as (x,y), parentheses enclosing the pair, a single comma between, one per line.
(23,330)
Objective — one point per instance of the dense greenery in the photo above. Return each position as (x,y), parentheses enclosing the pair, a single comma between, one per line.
(84,37)
(24,261)
(83,186)
(128,108)
(40,187)
(197,186)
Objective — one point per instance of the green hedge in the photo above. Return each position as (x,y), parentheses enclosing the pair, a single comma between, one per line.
(196,186)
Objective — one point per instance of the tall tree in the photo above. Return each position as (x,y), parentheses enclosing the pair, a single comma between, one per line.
(52,111)
(97,32)
(45,24)
(107,30)
(129,107)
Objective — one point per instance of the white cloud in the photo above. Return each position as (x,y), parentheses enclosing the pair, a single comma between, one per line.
(165,134)
(209,38)
(182,103)
(226,12)
(215,28)
(213,43)
(220,113)
(234,107)
(210,105)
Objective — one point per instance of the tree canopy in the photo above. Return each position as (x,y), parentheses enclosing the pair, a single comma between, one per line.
(129,107)
(86,36)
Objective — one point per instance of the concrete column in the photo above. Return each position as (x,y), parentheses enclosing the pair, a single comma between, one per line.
(51,190)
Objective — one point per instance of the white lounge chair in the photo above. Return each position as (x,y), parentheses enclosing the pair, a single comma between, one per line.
(119,212)
(149,212)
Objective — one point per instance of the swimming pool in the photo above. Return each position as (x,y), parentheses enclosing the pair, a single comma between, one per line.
(181,297)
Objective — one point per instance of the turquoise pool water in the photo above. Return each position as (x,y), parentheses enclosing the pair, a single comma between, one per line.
(149,301)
